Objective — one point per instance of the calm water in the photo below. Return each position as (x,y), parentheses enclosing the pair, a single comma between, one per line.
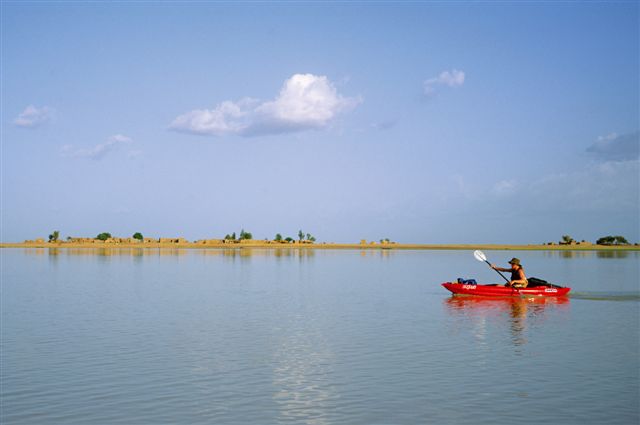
(320,337)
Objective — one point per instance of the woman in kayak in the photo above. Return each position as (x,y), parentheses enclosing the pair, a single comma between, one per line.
(518,278)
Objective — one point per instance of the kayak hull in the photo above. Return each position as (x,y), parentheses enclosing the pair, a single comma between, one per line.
(503,291)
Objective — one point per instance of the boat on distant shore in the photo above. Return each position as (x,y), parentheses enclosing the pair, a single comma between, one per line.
(496,290)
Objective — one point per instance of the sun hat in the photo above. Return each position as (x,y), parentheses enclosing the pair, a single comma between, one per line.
(514,260)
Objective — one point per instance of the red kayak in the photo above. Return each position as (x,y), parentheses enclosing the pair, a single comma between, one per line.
(503,291)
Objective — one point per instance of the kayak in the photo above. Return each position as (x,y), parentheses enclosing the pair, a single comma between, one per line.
(503,291)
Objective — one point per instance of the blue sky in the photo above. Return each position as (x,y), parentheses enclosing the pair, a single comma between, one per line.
(430,122)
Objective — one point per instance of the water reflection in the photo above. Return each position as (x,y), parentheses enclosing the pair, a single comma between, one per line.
(614,254)
(519,311)
(301,253)
(36,251)
(575,254)
(302,366)
(247,253)
(590,254)
(379,253)
(287,252)
(101,252)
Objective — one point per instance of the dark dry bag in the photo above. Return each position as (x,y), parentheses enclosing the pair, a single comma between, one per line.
(534,281)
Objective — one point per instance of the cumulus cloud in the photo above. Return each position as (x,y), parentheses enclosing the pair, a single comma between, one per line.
(616,147)
(305,102)
(226,118)
(98,151)
(33,116)
(453,78)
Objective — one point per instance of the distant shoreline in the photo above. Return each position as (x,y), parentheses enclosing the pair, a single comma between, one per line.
(329,246)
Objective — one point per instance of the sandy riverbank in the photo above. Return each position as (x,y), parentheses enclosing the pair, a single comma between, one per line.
(368,246)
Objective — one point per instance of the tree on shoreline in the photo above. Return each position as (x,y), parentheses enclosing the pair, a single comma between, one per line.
(243,236)
(54,236)
(566,239)
(104,236)
(302,236)
(612,240)
(138,236)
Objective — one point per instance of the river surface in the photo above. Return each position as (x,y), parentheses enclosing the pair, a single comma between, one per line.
(256,336)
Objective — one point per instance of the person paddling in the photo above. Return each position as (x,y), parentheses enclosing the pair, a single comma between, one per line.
(518,278)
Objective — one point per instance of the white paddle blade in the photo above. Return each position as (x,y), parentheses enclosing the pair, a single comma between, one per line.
(479,255)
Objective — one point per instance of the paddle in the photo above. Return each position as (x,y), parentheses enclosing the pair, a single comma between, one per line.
(481,257)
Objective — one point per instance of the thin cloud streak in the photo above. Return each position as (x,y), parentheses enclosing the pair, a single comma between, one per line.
(33,117)
(604,187)
(616,147)
(98,151)
(453,78)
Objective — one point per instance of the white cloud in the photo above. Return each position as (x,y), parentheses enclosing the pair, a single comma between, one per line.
(33,117)
(616,147)
(505,187)
(98,151)
(305,102)
(119,138)
(607,138)
(227,118)
(453,78)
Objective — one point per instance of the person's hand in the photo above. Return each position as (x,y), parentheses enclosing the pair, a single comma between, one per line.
(493,266)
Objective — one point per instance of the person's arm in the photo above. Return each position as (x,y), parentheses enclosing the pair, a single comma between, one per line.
(500,269)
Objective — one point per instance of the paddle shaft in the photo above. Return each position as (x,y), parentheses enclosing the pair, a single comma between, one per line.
(497,271)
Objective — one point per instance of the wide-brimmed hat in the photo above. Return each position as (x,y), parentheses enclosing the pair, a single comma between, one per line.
(514,260)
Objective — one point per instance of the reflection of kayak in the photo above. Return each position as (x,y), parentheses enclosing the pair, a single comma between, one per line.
(503,291)
(501,303)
